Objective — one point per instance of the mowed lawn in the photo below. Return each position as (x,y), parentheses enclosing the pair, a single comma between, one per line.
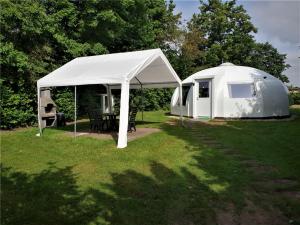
(237,172)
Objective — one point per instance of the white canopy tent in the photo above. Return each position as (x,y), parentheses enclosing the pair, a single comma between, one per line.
(148,68)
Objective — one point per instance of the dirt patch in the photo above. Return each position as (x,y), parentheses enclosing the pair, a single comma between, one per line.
(227,216)
(293,195)
(295,106)
(250,162)
(276,186)
(250,214)
(172,122)
(140,132)
(261,169)
(253,214)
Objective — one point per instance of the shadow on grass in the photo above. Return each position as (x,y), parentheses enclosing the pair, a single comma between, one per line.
(53,197)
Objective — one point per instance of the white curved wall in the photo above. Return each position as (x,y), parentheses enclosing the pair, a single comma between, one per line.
(271,97)
(187,110)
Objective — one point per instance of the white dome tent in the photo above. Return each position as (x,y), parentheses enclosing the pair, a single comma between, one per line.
(230,91)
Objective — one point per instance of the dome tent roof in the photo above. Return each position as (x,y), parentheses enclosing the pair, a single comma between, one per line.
(231,72)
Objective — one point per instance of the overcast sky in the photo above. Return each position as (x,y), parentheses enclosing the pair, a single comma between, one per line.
(278,22)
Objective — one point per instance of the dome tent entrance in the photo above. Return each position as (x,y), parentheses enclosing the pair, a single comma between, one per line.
(149,68)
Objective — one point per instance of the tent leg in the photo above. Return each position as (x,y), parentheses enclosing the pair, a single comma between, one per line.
(109,99)
(75,111)
(39,115)
(180,102)
(142,102)
(124,108)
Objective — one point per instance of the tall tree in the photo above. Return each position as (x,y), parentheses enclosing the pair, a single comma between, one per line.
(265,57)
(228,31)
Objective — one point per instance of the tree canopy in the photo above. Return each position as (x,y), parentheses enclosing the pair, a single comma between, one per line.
(227,36)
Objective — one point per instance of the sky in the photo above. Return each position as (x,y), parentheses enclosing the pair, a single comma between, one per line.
(278,22)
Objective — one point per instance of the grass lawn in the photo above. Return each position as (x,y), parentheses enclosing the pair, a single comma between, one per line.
(238,172)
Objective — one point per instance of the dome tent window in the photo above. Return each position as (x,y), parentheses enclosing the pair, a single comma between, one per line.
(204,89)
(241,90)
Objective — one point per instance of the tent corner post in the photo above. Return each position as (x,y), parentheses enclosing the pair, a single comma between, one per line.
(109,98)
(75,111)
(124,112)
(180,102)
(142,102)
(38,111)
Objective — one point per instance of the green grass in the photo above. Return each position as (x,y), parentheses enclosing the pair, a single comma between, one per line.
(170,177)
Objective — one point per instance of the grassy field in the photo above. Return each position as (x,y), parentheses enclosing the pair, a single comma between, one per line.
(238,172)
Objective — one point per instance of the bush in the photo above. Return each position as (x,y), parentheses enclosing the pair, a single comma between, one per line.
(294,98)
(151,99)
(64,100)
(16,109)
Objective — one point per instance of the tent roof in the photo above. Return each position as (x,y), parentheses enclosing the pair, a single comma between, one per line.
(231,72)
(149,67)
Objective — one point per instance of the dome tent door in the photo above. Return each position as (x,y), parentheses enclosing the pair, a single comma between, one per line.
(204,98)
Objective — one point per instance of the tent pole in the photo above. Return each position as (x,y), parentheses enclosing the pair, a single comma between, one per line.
(142,102)
(109,98)
(124,108)
(180,102)
(142,97)
(75,111)
(39,105)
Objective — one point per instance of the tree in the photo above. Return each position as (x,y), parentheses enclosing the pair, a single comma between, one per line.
(267,58)
(38,36)
(228,30)
(228,33)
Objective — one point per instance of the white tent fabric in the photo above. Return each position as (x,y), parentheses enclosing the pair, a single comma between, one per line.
(149,68)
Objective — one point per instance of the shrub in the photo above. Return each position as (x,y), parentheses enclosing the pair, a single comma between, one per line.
(64,100)
(16,109)
(294,98)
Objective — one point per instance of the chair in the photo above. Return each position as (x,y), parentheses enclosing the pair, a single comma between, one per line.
(131,119)
(96,121)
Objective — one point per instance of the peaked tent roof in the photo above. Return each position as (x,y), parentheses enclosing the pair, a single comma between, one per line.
(148,67)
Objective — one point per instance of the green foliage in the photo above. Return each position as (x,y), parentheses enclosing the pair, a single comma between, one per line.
(267,58)
(225,34)
(16,109)
(64,99)
(294,98)
(227,29)
(151,99)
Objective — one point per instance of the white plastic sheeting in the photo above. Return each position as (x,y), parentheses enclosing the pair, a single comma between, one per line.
(149,68)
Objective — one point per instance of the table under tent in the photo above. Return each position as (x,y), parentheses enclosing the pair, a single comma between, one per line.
(124,71)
